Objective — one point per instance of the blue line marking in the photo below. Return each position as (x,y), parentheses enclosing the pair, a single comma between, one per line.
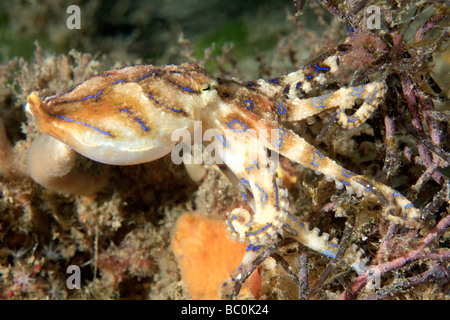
(319,100)
(256,163)
(258,231)
(291,231)
(373,96)
(184,88)
(301,224)
(151,97)
(352,120)
(85,98)
(222,140)
(274,80)
(359,91)
(319,68)
(348,175)
(329,253)
(245,197)
(162,104)
(135,118)
(85,124)
(264,196)
(141,123)
(143,77)
(118,81)
(95,97)
(315,161)
(333,245)
(229,223)
(245,182)
(246,102)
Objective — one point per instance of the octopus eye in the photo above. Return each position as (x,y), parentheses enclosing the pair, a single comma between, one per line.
(208,88)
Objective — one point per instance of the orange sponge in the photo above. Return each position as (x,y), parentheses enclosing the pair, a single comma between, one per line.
(205,254)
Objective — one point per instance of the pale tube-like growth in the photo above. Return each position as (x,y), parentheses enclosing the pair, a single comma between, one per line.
(51,164)
(6,152)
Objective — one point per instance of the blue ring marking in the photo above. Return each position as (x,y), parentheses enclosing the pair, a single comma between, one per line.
(95,97)
(348,175)
(397,194)
(250,83)
(315,161)
(291,232)
(282,132)
(258,231)
(222,140)
(85,124)
(282,111)
(357,90)
(319,68)
(409,205)
(256,248)
(274,80)
(309,76)
(329,253)
(143,77)
(240,130)
(264,196)
(249,102)
(321,99)
(249,247)
(118,81)
(298,85)
(345,182)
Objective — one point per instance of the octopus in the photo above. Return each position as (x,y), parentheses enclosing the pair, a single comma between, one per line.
(139,113)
